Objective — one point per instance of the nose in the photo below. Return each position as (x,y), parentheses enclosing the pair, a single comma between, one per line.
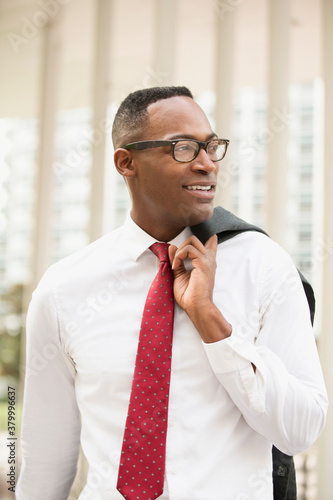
(203,163)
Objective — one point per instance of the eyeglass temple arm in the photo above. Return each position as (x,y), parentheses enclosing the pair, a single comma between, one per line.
(146,144)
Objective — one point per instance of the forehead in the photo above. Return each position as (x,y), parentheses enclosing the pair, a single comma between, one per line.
(177,116)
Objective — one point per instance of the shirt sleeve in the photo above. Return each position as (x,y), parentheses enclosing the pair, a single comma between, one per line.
(50,422)
(272,371)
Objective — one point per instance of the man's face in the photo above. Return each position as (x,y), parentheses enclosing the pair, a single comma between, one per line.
(163,194)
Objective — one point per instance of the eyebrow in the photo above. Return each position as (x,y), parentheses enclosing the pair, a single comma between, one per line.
(189,136)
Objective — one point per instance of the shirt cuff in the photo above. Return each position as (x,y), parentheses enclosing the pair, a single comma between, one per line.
(231,354)
(235,355)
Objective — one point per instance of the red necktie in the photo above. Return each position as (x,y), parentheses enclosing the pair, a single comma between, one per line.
(142,462)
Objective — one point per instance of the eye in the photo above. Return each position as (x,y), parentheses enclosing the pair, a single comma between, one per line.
(213,146)
(185,146)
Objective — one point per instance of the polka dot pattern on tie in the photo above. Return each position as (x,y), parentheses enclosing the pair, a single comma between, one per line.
(142,463)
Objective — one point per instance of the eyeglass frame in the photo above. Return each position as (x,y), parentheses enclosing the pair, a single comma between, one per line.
(142,145)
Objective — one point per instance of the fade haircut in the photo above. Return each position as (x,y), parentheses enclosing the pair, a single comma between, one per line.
(132,114)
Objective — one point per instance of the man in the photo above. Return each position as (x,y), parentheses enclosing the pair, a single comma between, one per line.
(245,373)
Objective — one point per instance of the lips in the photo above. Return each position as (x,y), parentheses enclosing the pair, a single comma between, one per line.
(199,187)
(201,191)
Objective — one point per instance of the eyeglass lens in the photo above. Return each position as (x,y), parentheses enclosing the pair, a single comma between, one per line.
(188,150)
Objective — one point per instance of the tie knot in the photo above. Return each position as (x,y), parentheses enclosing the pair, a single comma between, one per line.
(161,251)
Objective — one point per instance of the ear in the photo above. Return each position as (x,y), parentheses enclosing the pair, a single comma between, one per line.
(123,161)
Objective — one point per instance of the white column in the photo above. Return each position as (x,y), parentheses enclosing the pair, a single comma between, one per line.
(101,72)
(48,109)
(247,127)
(277,124)
(165,44)
(325,484)
(41,241)
(224,84)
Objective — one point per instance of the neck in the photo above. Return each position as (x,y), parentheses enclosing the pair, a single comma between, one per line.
(159,232)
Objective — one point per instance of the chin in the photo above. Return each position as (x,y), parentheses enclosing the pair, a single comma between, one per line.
(195,216)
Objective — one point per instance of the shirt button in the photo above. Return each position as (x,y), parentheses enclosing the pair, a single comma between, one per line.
(173,470)
(171,422)
(115,457)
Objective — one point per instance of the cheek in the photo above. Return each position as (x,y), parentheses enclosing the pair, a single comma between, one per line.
(154,190)
(160,183)
(161,186)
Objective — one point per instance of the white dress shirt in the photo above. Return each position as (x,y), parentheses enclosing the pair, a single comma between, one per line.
(82,334)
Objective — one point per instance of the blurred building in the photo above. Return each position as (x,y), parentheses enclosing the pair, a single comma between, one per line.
(258,68)
(243,170)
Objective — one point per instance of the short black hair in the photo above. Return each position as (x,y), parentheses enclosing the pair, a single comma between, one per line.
(132,113)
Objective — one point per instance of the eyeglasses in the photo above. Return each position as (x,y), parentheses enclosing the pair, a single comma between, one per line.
(185,150)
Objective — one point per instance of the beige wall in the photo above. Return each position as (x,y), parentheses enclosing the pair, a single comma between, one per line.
(133,47)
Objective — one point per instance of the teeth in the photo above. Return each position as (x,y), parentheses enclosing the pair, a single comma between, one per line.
(202,188)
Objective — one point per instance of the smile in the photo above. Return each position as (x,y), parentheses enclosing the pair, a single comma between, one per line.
(204,193)
(200,188)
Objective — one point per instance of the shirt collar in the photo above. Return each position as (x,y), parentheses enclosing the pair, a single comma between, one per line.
(138,241)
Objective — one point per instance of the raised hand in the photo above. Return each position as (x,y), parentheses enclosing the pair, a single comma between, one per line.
(193,289)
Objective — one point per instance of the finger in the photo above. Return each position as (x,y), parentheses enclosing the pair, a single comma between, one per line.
(211,244)
(172,250)
(192,247)
(187,252)
(193,241)
(176,263)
